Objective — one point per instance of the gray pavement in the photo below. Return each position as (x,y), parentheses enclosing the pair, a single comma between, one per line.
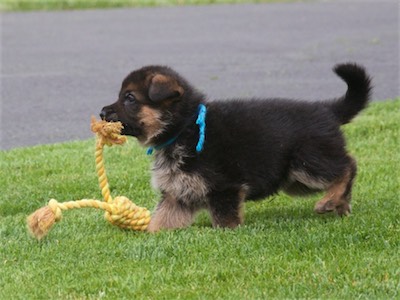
(58,68)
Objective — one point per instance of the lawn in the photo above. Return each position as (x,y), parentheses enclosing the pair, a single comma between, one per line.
(284,250)
(23,5)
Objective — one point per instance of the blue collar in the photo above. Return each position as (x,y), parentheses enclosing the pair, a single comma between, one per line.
(201,122)
(159,147)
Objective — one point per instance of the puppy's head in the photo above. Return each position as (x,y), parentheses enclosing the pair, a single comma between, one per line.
(148,103)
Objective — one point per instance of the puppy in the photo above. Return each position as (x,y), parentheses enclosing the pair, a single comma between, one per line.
(216,155)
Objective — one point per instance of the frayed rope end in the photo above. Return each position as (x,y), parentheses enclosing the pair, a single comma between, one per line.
(41,221)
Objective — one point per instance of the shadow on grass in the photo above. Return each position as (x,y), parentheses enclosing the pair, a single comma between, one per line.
(281,214)
(265,212)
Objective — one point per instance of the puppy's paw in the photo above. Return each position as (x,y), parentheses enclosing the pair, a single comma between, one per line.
(329,205)
(324,206)
(153,227)
(343,209)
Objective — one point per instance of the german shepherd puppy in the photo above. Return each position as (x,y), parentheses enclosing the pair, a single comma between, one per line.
(249,149)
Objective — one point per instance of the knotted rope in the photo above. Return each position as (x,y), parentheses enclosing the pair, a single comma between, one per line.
(120,211)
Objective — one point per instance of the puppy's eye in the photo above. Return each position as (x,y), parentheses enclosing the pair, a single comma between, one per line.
(129,97)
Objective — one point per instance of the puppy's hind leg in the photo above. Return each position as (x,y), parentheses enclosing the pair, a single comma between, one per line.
(338,194)
(333,174)
(171,214)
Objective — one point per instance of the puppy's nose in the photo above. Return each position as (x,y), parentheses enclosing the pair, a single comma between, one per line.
(103,114)
(108,114)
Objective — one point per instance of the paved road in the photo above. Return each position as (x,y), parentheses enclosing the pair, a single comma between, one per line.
(58,68)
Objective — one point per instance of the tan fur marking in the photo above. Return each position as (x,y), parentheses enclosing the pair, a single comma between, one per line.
(168,177)
(334,198)
(150,119)
(134,88)
(242,195)
(307,180)
(169,215)
(168,81)
(159,78)
(164,87)
(187,187)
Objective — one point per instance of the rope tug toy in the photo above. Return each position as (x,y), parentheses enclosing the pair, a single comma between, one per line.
(120,211)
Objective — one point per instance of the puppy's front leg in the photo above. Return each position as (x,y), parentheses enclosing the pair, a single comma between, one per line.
(226,208)
(169,214)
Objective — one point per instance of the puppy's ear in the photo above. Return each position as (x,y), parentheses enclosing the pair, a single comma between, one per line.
(164,87)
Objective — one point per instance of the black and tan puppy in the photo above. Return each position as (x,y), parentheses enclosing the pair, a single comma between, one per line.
(252,148)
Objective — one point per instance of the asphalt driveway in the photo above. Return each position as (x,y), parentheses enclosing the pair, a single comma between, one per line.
(59,68)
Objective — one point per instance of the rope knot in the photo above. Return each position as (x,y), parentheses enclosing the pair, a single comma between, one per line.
(55,208)
(125,214)
(108,132)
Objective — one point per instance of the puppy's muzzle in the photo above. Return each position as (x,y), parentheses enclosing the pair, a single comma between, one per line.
(108,114)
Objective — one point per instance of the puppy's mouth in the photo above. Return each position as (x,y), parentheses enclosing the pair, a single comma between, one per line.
(130,130)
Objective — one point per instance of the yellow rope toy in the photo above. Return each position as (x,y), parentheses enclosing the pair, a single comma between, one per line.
(120,211)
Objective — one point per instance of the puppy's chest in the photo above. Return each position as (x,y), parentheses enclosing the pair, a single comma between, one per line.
(169,177)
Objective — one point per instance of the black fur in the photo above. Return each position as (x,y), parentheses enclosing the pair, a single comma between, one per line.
(357,95)
(253,147)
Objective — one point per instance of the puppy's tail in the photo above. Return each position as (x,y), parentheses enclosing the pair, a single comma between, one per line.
(358,92)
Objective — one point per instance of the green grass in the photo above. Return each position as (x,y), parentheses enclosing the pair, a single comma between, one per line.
(284,250)
(24,5)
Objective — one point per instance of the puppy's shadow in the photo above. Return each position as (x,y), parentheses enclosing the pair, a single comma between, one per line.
(260,212)
(269,211)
